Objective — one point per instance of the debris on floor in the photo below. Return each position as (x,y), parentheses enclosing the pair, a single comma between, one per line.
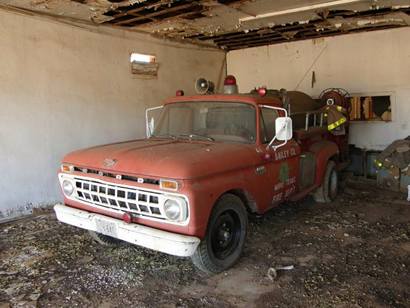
(273,271)
(394,166)
(396,155)
(353,252)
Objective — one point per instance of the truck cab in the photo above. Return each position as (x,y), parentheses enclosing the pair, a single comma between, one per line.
(208,162)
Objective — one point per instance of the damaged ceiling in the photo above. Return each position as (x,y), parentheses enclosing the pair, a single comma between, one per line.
(229,24)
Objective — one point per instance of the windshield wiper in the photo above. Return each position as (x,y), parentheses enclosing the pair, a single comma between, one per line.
(191,136)
(165,136)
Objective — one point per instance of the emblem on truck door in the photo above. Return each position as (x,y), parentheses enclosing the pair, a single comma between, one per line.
(108,162)
(260,170)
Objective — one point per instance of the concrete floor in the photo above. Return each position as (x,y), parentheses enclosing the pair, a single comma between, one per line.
(354,252)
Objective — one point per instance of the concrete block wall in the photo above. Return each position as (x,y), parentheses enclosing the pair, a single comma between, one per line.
(64,87)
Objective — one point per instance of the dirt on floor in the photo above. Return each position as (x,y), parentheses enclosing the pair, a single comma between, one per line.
(354,252)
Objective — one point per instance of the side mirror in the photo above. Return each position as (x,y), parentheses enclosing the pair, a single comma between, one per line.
(283,127)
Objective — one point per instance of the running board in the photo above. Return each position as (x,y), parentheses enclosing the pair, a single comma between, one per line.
(303,193)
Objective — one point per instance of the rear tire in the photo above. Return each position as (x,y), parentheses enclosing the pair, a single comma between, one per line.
(225,236)
(327,192)
(105,239)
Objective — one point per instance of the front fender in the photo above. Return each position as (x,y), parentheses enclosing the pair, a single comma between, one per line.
(323,150)
(206,191)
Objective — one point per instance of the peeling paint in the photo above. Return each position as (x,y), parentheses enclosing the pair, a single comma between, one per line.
(206,21)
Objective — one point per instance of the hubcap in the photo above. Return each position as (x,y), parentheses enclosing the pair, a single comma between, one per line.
(225,234)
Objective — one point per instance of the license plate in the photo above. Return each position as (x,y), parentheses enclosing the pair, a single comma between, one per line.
(106,227)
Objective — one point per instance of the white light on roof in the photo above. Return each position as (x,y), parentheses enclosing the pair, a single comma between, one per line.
(141,58)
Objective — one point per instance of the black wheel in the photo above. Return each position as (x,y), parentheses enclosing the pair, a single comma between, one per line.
(225,236)
(327,192)
(105,239)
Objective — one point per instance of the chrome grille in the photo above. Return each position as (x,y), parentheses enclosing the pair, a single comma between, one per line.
(118,197)
(115,175)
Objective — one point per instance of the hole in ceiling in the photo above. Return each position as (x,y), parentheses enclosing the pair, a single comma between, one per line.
(155,11)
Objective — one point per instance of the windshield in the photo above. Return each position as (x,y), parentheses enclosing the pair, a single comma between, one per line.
(216,121)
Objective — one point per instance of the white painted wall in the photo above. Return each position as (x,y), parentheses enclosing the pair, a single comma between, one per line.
(368,63)
(64,87)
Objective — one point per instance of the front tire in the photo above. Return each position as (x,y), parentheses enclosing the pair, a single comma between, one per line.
(327,192)
(225,236)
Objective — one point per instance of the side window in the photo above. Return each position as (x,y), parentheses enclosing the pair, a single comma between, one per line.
(371,108)
(267,124)
(143,65)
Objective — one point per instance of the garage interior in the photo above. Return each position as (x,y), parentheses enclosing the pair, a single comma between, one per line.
(81,73)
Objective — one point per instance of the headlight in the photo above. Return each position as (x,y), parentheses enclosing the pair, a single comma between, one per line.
(175,209)
(68,187)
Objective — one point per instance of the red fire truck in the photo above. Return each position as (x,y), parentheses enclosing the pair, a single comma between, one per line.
(208,161)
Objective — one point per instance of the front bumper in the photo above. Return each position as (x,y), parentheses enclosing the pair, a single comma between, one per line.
(167,242)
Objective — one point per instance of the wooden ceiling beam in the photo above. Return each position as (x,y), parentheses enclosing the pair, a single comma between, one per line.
(156,14)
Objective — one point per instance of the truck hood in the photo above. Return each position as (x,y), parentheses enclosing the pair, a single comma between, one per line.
(160,158)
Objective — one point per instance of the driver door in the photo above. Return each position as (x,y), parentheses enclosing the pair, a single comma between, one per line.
(283,164)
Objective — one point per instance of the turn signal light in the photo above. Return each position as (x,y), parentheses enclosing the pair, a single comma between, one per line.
(67,168)
(180,93)
(169,185)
